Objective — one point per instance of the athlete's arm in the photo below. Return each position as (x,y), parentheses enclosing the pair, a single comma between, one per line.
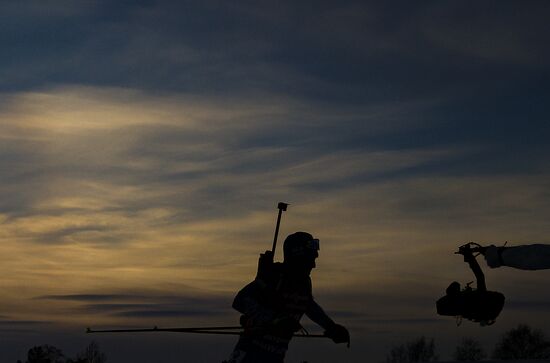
(338,333)
(318,315)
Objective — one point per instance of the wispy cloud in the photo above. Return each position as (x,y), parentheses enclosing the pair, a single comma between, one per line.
(119,189)
(502,40)
(101,183)
(147,306)
(23,326)
(143,148)
(114,148)
(25,323)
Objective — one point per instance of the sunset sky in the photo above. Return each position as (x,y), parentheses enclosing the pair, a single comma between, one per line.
(144,146)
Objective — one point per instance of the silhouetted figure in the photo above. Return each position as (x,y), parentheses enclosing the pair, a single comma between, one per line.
(526,257)
(273,304)
(478,305)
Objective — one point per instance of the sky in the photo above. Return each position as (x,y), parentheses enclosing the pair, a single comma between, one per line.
(144,146)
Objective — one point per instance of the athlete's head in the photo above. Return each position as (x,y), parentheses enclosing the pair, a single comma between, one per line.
(300,251)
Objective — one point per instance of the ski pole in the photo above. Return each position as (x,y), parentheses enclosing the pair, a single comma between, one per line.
(220,330)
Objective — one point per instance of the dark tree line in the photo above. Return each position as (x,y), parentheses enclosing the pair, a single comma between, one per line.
(419,350)
(522,342)
(50,354)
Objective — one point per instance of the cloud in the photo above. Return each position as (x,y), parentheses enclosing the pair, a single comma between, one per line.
(468,29)
(539,306)
(45,9)
(143,149)
(14,323)
(8,326)
(166,313)
(122,206)
(127,144)
(183,308)
(92,297)
(147,304)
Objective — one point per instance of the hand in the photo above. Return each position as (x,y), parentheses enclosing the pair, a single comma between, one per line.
(338,334)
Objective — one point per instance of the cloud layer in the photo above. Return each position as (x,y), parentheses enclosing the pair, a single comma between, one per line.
(144,146)
(109,190)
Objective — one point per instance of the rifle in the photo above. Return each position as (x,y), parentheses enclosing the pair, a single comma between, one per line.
(265,262)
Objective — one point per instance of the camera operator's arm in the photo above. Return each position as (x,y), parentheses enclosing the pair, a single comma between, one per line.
(526,257)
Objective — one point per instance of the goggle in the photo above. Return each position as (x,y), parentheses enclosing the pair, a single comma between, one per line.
(313,244)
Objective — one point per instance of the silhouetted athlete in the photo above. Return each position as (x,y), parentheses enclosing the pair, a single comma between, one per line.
(273,304)
(526,257)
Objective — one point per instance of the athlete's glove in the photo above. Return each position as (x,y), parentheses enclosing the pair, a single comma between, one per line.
(338,334)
